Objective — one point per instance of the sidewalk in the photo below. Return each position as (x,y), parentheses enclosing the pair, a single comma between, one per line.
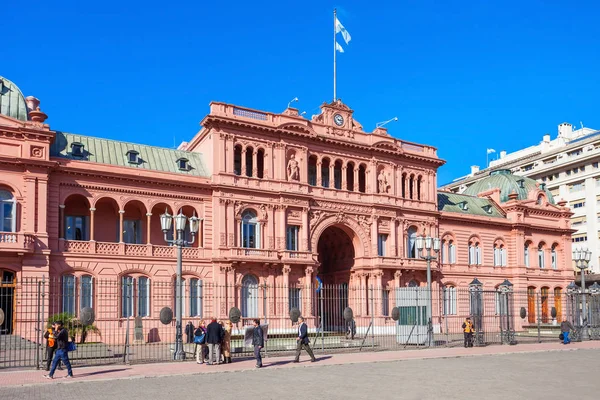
(111,372)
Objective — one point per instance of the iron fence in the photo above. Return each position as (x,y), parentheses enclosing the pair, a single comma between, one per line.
(127,326)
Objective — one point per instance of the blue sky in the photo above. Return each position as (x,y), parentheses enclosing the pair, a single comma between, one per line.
(461,76)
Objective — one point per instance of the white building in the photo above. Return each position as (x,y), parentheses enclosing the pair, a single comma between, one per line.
(568,167)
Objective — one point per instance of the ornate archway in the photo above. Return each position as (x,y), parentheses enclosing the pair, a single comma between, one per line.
(336,255)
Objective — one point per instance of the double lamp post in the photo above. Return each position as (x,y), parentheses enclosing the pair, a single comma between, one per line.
(166,223)
(429,244)
(582,259)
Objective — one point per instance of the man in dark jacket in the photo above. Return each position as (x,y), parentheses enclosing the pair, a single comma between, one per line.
(62,339)
(214,337)
(566,327)
(302,341)
(189,332)
(258,341)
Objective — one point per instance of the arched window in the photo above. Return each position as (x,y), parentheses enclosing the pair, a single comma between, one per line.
(540,200)
(478,259)
(544,300)
(8,211)
(249,296)
(249,156)
(444,258)
(250,230)
(411,242)
(325,172)
(195,297)
(237,160)
(68,294)
(413,283)
(531,304)
(135,296)
(499,255)
(553,259)
(541,261)
(526,254)
(337,175)
(419,183)
(449,300)
(403,186)
(362,179)
(350,176)
(451,252)
(260,163)
(76,292)
(558,303)
(411,183)
(312,170)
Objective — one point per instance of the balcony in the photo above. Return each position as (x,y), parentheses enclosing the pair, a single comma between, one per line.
(129,250)
(16,242)
(245,253)
(291,255)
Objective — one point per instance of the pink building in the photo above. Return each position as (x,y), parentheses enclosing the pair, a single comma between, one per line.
(283,199)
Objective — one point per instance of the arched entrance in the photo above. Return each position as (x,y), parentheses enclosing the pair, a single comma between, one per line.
(336,256)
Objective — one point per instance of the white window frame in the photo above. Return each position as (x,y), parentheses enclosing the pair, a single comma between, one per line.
(291,237)
(541,258)
(449,300)
(196,298)
(140,299)
(554,258)
(526,255)
(452,252)
(382,244)
(7,198)
(249,219)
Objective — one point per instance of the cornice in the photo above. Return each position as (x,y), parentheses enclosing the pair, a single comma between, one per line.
(133,191)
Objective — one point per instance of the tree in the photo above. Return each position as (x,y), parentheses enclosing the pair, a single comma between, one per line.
(74,326)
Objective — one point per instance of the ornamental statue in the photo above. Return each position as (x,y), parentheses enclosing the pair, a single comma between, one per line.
(383,183)
(293,171)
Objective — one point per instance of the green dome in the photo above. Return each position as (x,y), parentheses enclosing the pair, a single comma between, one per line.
(12,101)
(507,183)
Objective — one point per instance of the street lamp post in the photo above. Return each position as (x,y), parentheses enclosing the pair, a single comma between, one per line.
(505,289)
(429,244)
(166,222)
(582,260)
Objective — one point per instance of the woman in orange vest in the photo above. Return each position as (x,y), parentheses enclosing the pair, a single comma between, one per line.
(468,329)
(50,336)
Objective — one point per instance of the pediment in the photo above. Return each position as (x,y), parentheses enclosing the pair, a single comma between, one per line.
(296,127)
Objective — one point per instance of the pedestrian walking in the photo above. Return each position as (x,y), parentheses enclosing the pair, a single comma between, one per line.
(50,336)
(62,339)
(226,345)
(200,340)
(565,328)
(468,329)
(214,336)
(302,341)
(258,341)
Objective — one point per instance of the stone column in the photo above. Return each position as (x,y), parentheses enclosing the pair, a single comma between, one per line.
(319,174)
(363,296)
(231,292)
(224,162)
(392,245)
(92,213)
(331,174)
(374,235)
(255,163)
(42,223)
(285,306)
(407,186)
(148,230)
(121,215)
(271,229)
(397,277)
(305,230)
(344,183)
(61,222)
(308,309)
(243,165)
(375,290)
(282,227)
(356,178)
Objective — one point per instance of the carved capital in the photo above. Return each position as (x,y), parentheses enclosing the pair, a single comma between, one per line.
(286,269)
(309,270)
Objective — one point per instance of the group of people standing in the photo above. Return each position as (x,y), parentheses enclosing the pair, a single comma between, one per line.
(213,341)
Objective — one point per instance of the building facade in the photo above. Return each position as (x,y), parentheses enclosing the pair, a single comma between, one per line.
(568,167)
(283,200)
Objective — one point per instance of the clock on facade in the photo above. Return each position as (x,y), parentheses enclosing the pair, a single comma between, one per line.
(338,119)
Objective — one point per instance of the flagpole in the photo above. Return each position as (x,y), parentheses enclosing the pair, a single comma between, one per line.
(334,56)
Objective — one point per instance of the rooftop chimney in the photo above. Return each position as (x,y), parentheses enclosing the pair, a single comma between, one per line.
(474,169)
(565,130)
(502,154)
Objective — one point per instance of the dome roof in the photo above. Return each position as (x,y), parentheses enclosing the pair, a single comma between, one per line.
(507,183)
(12,101)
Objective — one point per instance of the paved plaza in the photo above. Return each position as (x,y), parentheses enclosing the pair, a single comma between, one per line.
(520,372)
